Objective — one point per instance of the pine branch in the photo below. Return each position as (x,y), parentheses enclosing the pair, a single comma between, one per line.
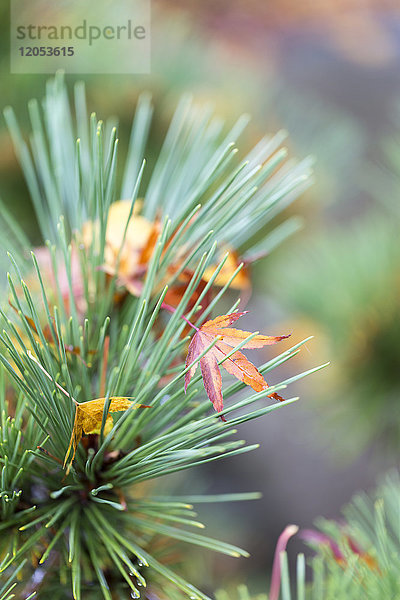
(85,332)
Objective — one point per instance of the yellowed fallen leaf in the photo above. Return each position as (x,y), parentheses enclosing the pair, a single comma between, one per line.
(88,419)
(242,279)
(136,240)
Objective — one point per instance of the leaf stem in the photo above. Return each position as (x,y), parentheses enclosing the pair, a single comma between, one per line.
(171,309)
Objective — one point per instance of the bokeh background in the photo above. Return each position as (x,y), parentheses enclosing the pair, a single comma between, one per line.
(329,74)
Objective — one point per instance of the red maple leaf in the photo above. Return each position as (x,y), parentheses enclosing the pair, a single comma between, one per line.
(237,364)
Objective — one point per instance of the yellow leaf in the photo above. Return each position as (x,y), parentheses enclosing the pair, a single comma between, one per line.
(240,282)
(88,419)
(137,235)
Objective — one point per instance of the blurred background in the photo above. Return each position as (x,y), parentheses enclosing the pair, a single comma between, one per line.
(328,73)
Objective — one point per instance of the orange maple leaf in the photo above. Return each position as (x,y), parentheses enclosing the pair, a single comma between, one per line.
(240,282)
(130,263)
(237,364)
